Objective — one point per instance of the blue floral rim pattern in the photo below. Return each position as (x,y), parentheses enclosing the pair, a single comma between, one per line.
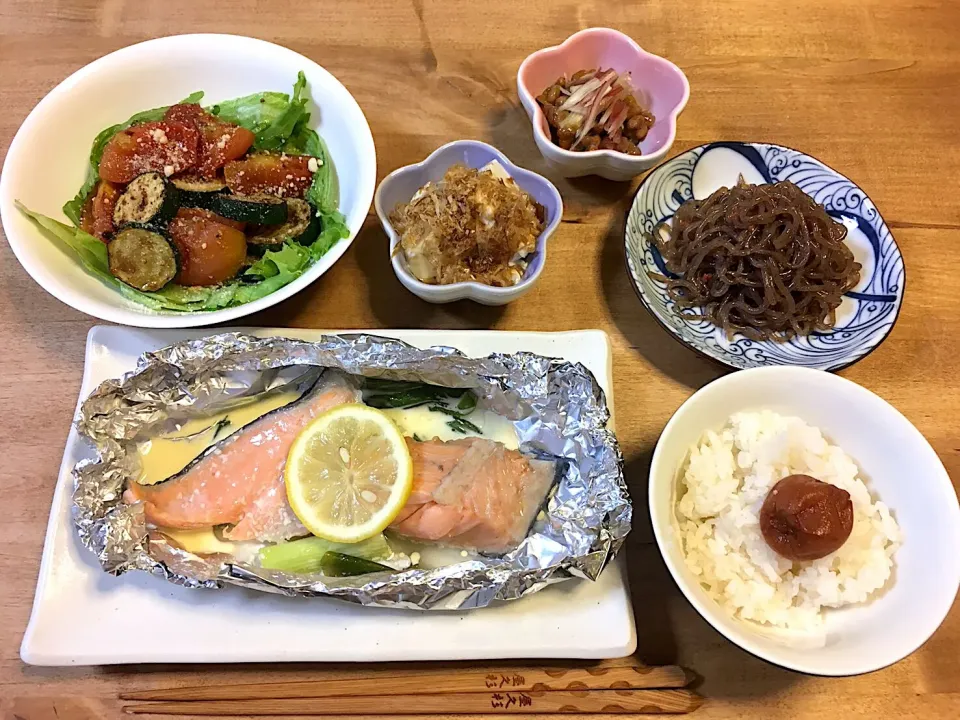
(868,312)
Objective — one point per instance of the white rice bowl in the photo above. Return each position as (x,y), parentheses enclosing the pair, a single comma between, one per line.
(718,499)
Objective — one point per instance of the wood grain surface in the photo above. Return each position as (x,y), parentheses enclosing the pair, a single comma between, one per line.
(871,87)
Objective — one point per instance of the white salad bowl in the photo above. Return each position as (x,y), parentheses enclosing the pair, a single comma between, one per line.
(48,158)
(402,184)
(900,469)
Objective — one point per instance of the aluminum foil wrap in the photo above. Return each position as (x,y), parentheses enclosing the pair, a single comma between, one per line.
(557,409)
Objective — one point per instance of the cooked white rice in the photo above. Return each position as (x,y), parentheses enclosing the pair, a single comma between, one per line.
(720,494)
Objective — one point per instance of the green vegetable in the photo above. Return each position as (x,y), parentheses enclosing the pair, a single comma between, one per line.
(462,425)
(459,423)
(405,399)
(93,256)
(222,424)
(261,209)
(198,187)
(335,564)
(306,555)
(394,386)
(280,123)
(149,199)
(277,119)
(323,193)
(445,410)
(274,270)
(142,257)
(468,403)
(387,394)
(74,208)
(301,225)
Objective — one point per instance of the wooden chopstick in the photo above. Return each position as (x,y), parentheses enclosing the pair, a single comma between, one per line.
(500,702)
(449,680)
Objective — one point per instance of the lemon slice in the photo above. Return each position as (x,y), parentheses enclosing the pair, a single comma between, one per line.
(348,474)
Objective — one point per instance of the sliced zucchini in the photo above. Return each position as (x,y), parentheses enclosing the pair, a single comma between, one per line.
(202,200)
(142,258)
(258,209)
(196,184)
(302,225)
(149,199)
(198,192)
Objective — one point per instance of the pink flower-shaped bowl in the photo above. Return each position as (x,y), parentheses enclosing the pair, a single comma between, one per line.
(661,88)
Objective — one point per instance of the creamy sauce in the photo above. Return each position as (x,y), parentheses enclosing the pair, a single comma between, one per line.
(165,456)
(200,542)
(427,424)
(206,542)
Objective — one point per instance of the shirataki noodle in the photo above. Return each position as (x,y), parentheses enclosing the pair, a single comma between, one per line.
(765,261)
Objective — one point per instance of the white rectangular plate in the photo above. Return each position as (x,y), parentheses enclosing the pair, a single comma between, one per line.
(83,616)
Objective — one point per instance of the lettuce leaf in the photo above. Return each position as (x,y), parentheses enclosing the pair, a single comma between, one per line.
(270,273)
(74,208)
(93,256)
(280,123)
(273,117)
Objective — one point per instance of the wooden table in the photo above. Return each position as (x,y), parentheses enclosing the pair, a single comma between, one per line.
(869,86)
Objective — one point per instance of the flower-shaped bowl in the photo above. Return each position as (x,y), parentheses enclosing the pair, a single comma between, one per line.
(661,88)
(402,184)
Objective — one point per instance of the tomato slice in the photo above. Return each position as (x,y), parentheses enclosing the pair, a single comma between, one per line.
(165,147)
(97,218)
(188,114)
(210,252)
(220,142)
(281,175)
(211,216)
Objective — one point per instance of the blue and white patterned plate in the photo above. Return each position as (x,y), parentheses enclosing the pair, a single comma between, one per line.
(867,313)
